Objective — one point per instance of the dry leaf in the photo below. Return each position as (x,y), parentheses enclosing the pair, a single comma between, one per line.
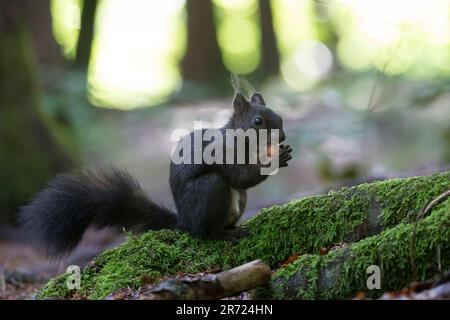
(291,259)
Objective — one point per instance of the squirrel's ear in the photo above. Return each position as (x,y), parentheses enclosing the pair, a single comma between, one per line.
(257,99)
(240,103)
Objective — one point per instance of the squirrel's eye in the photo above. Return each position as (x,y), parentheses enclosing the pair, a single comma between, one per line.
(258,121)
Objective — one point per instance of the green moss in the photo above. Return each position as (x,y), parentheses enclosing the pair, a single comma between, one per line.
(301,226)
(342,273)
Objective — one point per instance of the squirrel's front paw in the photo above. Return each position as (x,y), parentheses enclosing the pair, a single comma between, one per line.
(233,235)
(240,232)
(285,155)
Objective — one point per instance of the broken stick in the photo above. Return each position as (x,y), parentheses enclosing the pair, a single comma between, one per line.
(221,285)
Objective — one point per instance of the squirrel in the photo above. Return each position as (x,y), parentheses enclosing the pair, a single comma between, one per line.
(209,198)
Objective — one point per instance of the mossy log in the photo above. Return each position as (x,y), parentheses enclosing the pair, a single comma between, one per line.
(403,255)
(375,218)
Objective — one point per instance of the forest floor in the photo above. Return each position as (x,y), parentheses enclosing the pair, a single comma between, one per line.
(23,270)
(333,147)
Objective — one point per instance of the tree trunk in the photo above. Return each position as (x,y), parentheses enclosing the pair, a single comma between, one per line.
(29,153)
(86,35)
(202,61)
(38,18)
(376,220)
(270,58)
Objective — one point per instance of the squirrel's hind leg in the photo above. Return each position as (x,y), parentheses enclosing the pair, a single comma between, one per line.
(204,206)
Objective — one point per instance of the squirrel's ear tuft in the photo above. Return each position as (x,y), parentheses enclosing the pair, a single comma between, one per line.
(257,99)
(240,104)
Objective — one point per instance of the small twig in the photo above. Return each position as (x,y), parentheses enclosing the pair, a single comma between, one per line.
(412,250)
(439,258)
(412,245)
(432,204)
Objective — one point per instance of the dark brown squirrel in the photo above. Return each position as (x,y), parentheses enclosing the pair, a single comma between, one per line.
(210,198)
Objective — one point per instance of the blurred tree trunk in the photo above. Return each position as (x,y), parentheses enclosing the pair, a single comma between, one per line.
(29,152)
(270,58)
(86,35)
(203,59)
(37,16)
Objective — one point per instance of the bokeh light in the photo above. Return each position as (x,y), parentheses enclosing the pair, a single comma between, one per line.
(136,51)
(310,63)
(396,37)
(238,34)
(138,44)
(66,24)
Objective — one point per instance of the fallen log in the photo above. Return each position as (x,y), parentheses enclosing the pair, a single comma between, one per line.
(301,226)
(342,273)
(225,284)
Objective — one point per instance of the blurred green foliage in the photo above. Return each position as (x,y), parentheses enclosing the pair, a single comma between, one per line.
(139,44)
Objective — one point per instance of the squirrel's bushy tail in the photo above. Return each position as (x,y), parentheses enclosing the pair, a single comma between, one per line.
(58,216)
